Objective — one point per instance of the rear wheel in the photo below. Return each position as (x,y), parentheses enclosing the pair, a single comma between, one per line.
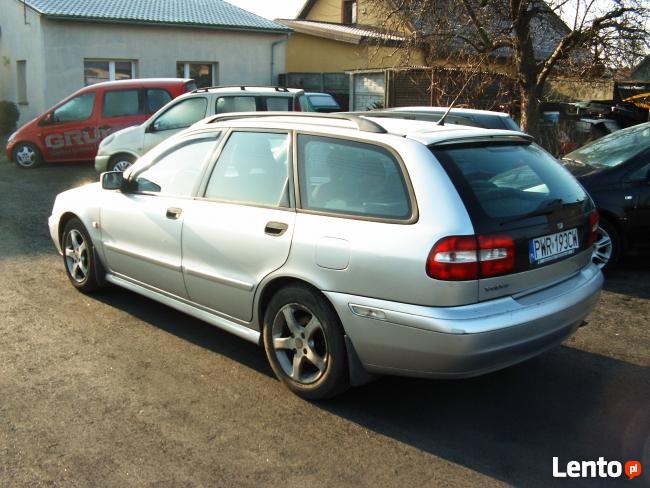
(304,343)
(79,257)
(26,155)
(120,162)
(608,246)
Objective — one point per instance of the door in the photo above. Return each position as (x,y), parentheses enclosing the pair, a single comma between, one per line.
(240,231)
(177,117)
(638,188)
(120,109)
(71,133)
(141,230)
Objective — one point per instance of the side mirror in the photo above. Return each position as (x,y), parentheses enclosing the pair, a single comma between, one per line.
(113,180)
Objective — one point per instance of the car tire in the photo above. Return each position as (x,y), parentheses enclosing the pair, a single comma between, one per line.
(79,257)
(26,155)
(607,249)
(305,344)
(120,162)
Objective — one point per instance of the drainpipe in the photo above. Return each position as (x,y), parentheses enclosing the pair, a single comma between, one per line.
(286,38)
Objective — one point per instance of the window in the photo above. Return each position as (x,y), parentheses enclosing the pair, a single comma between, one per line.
(351,178)
(252,168)
(120,103)
(156,99)
(349,12)
(21,72)
(235,104)
(77,109)
(182,115)
(98,70)
(178,171)
(639,174)
(203,73)
(278,104)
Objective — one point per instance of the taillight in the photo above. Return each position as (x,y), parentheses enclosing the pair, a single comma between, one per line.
(462,258)
(592,235)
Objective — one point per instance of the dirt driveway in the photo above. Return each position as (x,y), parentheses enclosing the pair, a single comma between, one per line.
(116,390)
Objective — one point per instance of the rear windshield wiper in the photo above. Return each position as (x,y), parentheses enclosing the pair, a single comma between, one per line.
(545,208)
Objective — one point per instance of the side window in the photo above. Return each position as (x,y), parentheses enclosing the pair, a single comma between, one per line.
(156,99)
(78,109)
(235,104)
(121,102)
(278,104)
(182,115)
(639,174)
(252,168)
(351,178)
(178,171)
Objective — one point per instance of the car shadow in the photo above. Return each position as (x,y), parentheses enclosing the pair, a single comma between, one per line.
(508,425)
(631,277)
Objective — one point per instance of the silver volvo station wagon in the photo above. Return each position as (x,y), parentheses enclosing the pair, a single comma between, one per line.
(348,246)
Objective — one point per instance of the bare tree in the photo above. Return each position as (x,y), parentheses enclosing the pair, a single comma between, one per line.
(526,39)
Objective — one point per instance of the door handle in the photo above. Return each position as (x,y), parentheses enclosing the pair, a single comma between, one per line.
(174,212)
(275,228)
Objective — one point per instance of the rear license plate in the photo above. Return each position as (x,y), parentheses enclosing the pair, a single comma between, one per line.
(553,246)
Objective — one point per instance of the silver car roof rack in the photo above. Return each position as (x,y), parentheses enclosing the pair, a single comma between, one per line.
(204,89)
(362,123)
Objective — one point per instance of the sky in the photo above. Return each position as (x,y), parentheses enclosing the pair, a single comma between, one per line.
(271,9)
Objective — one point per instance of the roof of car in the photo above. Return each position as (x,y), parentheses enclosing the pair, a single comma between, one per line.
(140,82)
(248,88)
(422,131)
(444,109)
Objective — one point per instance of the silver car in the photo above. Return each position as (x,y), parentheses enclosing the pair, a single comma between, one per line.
(347,246)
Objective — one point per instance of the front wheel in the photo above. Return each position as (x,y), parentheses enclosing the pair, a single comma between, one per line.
(120,162)
(608,246)
(26,155)
(304,343)
(79,257)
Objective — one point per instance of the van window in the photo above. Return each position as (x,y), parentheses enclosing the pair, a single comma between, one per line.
(119,103)
(235,104)
(278,104)
(156,99)
(353,178)
(77,109)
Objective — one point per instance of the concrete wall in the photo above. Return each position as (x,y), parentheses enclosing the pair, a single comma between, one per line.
(21,39)
(242,57)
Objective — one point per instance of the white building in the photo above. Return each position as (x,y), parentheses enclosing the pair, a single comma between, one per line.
(50,48)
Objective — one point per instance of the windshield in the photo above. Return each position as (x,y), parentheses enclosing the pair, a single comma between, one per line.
(614,149)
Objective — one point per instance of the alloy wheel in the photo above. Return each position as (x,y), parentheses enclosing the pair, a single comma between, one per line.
(76,256)
(602,249)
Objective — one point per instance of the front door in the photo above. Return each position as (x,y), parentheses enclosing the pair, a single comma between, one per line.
(71,133)
(240,231)
(141,230)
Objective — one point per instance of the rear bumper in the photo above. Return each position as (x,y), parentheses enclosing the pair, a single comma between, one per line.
(471,340)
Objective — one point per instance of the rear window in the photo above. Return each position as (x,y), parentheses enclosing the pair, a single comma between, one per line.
(156,99)
(235,104)
(278,104)
(121,103)
(502,181)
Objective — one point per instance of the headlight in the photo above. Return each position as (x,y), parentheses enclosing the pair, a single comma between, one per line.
(12,137)
(107,140)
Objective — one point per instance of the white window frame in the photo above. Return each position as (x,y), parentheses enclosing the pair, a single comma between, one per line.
(111,66)
(214,64)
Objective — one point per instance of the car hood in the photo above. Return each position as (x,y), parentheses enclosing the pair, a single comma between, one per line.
(578,169)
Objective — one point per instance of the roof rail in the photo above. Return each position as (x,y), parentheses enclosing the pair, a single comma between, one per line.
(362,123)
(242,88)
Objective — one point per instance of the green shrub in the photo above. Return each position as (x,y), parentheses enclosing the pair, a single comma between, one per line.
(8,116)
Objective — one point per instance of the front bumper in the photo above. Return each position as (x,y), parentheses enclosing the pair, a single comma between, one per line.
(101,163)
(470,340)
(53,224)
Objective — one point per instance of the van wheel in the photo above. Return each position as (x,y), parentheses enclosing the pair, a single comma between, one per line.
(608,246)
(304,343)
(79,257)
(26,155)
(120,162)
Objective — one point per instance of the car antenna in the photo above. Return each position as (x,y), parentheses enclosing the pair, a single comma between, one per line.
(469,78)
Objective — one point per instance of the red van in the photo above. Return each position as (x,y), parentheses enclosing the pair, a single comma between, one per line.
(73,128)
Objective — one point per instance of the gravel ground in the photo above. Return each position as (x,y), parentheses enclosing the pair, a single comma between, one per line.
(117,390)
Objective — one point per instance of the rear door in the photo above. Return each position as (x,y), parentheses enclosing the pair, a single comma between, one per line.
(518,191)
(241,228)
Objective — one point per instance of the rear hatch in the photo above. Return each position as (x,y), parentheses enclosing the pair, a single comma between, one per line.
(518,194)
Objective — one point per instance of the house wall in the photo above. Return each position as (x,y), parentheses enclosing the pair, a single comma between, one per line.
(306,53)
(21,39)
(242,57)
